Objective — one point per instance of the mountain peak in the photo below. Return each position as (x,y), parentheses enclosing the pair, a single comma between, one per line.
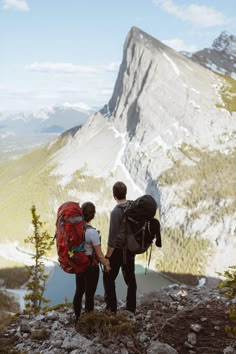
(220,57)
(134,31)
(225,42)
(138,35)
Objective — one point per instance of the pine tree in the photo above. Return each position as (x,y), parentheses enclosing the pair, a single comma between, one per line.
(42,242)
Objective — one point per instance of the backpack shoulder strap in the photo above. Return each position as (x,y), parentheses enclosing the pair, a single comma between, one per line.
(89,227)
(125,206)
(93,257)
(124,220)
(92,227)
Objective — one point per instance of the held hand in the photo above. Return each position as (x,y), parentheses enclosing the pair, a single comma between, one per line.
(107,269)
(107,266)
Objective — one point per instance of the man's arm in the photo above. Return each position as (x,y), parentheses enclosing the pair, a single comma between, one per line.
(109,251)
(115,221)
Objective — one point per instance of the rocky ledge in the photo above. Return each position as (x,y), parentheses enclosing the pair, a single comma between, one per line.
(176,320)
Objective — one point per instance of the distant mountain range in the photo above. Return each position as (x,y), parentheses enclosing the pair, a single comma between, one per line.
(55,119)
(168,130)
(221,57)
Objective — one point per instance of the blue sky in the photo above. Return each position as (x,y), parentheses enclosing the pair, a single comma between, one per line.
(56,52)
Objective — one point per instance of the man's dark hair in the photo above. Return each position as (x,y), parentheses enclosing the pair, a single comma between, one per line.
(119,190)
(88,210)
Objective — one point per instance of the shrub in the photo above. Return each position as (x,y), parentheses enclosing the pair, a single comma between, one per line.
(42,242)
(228,287)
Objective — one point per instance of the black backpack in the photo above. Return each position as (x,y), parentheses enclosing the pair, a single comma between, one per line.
(139,227)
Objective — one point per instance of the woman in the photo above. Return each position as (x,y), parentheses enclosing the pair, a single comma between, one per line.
(87,281)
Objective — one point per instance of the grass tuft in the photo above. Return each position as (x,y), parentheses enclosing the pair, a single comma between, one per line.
(228,94)
(40,335)
(104,325)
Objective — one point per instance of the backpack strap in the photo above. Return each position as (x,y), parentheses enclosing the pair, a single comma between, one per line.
(124,219)
(93,258)
(125,246)
(148,259)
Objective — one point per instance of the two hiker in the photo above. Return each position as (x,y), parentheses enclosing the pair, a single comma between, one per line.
(87,281)
(132,230)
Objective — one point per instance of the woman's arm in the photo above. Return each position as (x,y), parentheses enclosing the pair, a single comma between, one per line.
(101,257)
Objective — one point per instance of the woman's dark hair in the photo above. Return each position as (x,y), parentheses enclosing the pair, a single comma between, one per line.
(88,210)
(119,190)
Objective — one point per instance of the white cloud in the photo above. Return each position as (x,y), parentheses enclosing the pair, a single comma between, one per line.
(106,92)
(80,106)
(199,15)
(60,67)
(112,67)
(59,83)
(68,68)
(56,90)
(19,5)
(179,45)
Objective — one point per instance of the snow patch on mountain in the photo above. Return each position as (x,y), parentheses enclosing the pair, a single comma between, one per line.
(81,106)
(225,42)
(174,66)
(12,252)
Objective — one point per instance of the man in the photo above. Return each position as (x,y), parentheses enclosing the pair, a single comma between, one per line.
(117,257)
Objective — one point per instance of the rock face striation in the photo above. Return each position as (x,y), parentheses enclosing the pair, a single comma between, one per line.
(163,104)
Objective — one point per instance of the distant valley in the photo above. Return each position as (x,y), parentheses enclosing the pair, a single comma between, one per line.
(21,132)
(14,146)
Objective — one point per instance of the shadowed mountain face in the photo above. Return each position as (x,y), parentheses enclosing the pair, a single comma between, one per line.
(165,132)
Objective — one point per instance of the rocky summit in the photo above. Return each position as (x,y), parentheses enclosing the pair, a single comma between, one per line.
(176,320)
(221,57)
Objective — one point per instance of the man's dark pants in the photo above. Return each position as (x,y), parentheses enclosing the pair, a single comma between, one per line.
(127,266)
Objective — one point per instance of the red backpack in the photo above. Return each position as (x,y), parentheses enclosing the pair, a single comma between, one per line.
(70,238)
